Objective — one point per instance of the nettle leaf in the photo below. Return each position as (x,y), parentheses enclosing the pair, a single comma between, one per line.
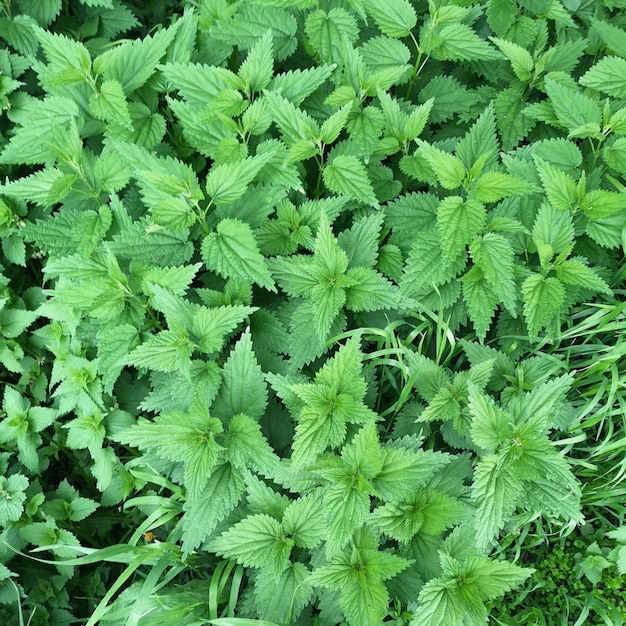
(232,252)
(553,232)
(492,578)
(561,152)
(613,36)
(493,186)
(223,490)
(227,183)
(12,497)
(333,125)
(346,510)
(513,125)
(360,242)
(402,470)
(455,42)
(22,426)
(13,322)
(458,595)
(358,572)
(325,306)
(186,437)
(490,427)
(449,96)
(177,311)
(114,343)
(346,175)
(109,104)
(449,170)
(384,53)
(44,12)
(575,272)
(98,3)
(132,63)
(211,325)
(401,522)
(366,126)
(458,222)
(370,291)
(493,254)
(581,115)
(600,203)
(543,404)
(256,71)
(87,431)
(479,146)
(256,541)
(69,61)
(325,281)
(543,299)
(294,124)
(198,83)
(247,447)
(175,280)
(36,121)
(332,401)
(496,490)
(282,599)
(18,32)
(167,351)
(304,521)
(261,498)
(608,76)
(252,21)
(560,188)
(364,453)
(295,85)
(480,299)
(365,604)
(294,274)
(425,267)
(326,32)
(397,18)
(243,388)
(521,60)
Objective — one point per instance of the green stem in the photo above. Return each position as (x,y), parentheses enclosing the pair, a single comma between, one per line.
(417,67)
(320,168)
(202,217)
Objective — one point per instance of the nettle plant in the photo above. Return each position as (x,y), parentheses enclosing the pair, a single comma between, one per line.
(207,229)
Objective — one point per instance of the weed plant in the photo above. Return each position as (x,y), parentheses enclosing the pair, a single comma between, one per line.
(312,312)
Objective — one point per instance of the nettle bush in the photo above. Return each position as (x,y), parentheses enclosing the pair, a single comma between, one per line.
(273,272)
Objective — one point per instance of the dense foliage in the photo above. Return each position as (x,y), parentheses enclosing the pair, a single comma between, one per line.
(312,312)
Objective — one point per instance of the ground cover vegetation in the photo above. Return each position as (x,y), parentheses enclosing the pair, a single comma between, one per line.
(313,312)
